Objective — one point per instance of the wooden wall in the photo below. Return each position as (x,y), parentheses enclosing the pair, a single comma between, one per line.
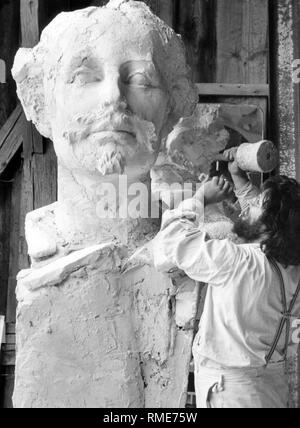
(9,42)
(227,42)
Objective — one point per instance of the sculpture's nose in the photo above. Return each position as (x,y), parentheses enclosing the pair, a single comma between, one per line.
(112,89)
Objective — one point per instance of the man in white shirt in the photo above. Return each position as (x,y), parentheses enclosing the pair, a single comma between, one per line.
(253,288)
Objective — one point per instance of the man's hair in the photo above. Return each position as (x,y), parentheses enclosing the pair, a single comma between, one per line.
(281,217)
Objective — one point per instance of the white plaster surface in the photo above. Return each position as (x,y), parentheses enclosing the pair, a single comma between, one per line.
(90,337)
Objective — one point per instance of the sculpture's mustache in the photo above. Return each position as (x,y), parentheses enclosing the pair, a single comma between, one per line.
(98,143)
(111,120)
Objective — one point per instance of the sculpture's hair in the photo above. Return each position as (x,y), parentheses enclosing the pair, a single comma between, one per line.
(281,217)
(33,66)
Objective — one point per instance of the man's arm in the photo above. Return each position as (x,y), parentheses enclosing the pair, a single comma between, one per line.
(243,188)
(182,244)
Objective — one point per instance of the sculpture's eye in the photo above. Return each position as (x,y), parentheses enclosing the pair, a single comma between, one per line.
(85,76)
(139,79)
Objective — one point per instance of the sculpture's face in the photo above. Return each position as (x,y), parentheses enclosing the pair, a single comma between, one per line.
(111,103)
(106,85)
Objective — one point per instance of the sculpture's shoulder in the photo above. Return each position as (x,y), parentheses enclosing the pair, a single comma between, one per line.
(43,237)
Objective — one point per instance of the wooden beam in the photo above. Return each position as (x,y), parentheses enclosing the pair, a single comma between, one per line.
(15,242)
(166,11)
(11,138)
(2,330)
(9,43)
(10,123)
(30,31)
(8,357)
(10,328)
(285,106)
(5,203)
(195,21)
(233,90)
(242,41)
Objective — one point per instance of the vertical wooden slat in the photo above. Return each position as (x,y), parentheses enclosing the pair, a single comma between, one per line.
(14,246)
(283,25)
(166,11)
(45,176)
(30,22)
(285,46)
(296,39)
(196,24)
(242,41)
(242,54)
(5,198)
(7,386)
(9,41)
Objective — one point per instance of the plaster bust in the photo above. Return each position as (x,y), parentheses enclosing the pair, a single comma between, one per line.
(106,85)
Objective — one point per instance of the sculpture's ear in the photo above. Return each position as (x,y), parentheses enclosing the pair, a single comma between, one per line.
(28,73)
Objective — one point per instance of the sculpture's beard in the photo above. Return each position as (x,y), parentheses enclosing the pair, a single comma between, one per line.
(108,141)
(250,232)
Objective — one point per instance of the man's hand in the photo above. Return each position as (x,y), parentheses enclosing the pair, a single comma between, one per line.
(215,190)
(230,156)
(239,176)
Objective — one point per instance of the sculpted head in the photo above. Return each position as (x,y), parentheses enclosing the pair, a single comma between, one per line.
(106,85)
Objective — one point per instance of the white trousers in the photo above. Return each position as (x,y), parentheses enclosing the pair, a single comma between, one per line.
(261,388)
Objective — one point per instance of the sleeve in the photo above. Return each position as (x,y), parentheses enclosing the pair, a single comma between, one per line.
(181,244)
(246,193)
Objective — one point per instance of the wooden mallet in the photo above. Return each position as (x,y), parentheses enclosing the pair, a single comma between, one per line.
(262,157)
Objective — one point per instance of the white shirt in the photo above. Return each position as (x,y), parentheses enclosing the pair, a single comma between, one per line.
(243,303)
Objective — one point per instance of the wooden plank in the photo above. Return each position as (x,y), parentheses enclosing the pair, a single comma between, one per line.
(10,339)
(14,246)
(9,347)
(166,11)
(29,22)
(26,205)
(242,41)
(283,24)
(12,144)
(242,48)
(8,358)
(10,328)
(233,90)
(7,377)
(9,124)
(32,140)
(5,200)
(2,330)
(44,169)
(285,36)
(9,43)
(296,40)
(195,21)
